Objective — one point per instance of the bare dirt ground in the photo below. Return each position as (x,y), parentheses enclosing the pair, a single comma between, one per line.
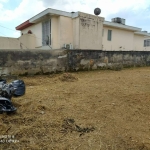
(97,110)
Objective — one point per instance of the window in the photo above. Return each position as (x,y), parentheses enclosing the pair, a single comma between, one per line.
(109,35)
(46,33)
(147,43)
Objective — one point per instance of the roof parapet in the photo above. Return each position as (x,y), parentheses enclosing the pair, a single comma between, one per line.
(142,33)
(121,26)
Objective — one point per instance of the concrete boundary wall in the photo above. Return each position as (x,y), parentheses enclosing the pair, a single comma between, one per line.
(93,59)
(31,62)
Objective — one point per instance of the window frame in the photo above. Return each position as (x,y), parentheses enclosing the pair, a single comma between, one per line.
(147,43)
(46,28)
(109,35)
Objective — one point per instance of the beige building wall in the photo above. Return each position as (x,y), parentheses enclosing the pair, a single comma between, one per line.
(138,42)
(76,40)
(27,41)
(83,32)
(65,31)
(121,39)
(9,43)
(61,32)
(90,31)
(55,33)
(37,31)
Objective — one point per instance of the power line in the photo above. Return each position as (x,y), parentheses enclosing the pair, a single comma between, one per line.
(16,31)
(18,39)
(2,33)
(8,28)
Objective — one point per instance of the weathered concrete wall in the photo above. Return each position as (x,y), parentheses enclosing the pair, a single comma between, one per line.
(17,62)
(31,62)
(90,31)
(93,59)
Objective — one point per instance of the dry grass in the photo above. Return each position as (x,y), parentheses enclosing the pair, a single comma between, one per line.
(116,104)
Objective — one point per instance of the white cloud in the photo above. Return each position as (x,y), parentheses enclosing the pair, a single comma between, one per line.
(15,34)
(28,8)
(24,11)
(3,1)
(1,4)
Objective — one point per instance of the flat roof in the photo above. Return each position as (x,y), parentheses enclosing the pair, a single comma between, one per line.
(142,33)
(121,26)
(52,12)
(47,12)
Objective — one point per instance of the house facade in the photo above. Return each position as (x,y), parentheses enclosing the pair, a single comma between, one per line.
(118,36)
(55,29)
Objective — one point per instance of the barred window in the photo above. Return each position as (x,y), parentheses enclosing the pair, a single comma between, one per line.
(147,43)
(109,36)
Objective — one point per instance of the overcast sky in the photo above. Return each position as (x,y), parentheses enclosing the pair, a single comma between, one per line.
(15,12)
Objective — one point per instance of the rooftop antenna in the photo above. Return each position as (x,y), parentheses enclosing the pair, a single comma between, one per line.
(97,11)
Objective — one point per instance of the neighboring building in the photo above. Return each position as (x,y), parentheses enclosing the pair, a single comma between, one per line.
(118,36)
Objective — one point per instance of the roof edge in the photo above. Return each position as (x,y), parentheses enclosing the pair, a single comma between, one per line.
(50,11)
(117,25)
(24,25)
(142,33)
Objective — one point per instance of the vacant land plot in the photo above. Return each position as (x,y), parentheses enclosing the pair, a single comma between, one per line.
(98,110)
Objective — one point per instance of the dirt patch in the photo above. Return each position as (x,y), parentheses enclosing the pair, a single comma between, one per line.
(110,111)
(69,125)
(68,77)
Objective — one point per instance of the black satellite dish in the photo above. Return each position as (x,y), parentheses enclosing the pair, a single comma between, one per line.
(97,11)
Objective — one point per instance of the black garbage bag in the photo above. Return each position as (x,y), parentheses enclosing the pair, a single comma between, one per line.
(6,105)
(15,88)
(19,87)
(6,90)
(3,81)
